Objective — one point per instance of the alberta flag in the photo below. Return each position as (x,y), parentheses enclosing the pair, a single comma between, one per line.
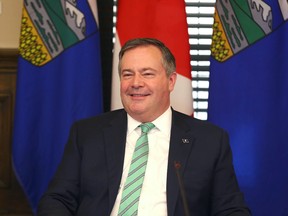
(249,96)
(58,82)
(166,21)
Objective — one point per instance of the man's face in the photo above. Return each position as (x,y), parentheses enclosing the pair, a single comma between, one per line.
(145,88)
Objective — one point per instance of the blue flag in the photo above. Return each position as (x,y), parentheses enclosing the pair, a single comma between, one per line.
(59,81)
(248,96)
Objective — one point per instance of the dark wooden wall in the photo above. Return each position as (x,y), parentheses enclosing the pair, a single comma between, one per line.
(12,198)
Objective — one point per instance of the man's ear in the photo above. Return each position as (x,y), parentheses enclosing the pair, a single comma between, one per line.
(172,80)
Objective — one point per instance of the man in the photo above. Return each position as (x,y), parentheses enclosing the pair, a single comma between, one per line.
(94,174)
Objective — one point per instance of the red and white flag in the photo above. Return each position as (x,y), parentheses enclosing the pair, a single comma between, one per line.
(166,21)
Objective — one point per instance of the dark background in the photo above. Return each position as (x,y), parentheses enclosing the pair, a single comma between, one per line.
(105,10)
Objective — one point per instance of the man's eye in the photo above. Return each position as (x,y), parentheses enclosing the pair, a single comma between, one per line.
(148,74)
(126,74)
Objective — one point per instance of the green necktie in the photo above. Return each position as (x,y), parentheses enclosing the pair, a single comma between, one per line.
(134,181)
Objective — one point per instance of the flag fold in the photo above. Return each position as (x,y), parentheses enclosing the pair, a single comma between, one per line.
(248,96)
(58,82)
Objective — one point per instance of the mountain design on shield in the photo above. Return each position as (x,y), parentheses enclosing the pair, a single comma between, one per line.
(48,28)
(238,24)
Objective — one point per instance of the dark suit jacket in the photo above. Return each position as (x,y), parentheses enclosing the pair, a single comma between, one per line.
(87,180)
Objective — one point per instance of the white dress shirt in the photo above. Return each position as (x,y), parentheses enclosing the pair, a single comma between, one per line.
(153,195)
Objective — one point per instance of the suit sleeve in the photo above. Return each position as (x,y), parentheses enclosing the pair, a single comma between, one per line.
(61,198)
(226,198)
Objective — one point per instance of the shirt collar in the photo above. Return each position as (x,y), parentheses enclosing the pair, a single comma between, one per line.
(162,123)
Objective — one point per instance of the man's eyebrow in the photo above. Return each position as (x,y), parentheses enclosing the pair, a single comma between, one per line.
(141,70)
(126,70)
(147,68)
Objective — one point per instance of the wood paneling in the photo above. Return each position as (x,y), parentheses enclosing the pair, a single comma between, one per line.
(12,198)
(5,131)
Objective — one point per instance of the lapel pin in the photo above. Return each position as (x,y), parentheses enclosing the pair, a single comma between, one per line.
(185,141)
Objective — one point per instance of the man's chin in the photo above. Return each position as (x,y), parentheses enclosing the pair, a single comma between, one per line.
(135,110)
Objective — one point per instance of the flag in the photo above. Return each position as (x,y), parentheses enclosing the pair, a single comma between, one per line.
(166,21)
(58,82)
(248,96)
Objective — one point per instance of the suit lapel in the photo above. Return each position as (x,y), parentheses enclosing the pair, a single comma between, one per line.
(115,139)
(181,143)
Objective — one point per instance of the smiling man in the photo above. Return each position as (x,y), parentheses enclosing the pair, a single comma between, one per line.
(145,84)
(123,162)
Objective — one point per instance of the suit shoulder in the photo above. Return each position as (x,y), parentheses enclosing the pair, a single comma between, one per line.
(103,119)
(197,124)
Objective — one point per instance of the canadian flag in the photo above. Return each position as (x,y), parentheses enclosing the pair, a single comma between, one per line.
(166,21)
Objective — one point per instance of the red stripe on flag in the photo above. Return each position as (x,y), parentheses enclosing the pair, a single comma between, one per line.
(161,19)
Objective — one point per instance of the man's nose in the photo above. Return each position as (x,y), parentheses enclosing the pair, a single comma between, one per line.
(137,80)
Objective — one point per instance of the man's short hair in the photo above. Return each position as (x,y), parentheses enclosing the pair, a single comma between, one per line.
(168,59)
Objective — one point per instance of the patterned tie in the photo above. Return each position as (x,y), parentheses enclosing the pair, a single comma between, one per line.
(134,181)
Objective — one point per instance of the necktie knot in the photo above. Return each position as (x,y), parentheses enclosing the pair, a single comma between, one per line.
(146,127)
